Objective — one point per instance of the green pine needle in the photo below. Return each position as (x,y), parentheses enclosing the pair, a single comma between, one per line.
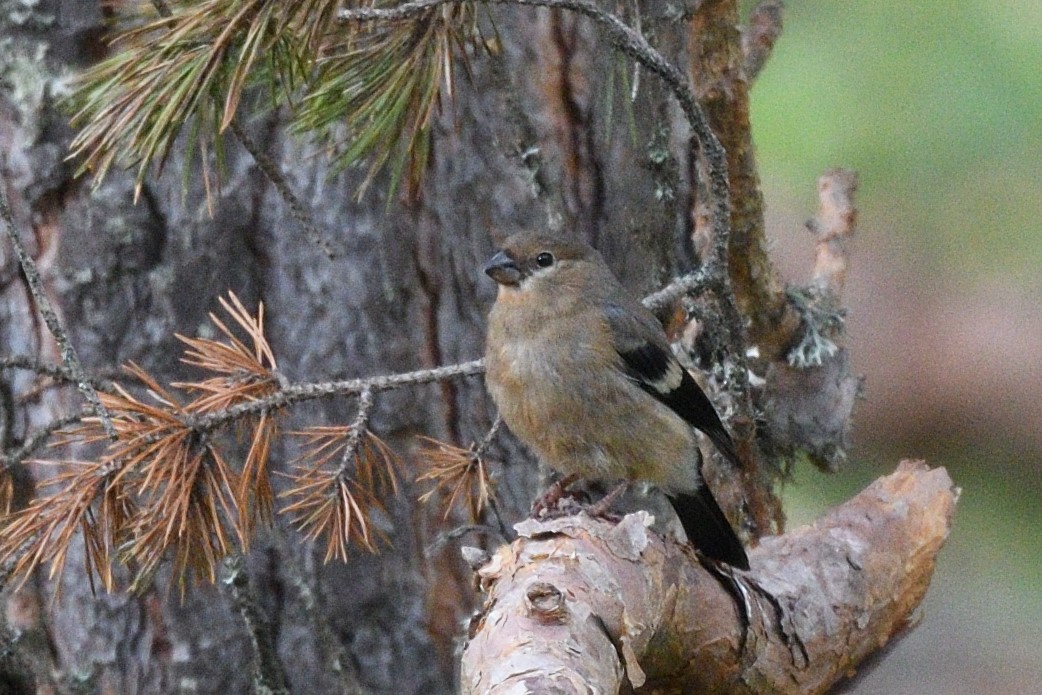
(372,88)
(190,70)
(377,90)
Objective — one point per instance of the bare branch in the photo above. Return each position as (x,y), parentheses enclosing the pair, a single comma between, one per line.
(269,678)
(765,26)
(834,225)
(299,393)
(577,605)
(43,304)
(356,432)
(38,439)
(680,287)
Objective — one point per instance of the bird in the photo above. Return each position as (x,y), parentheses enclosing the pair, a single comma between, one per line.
(583,374)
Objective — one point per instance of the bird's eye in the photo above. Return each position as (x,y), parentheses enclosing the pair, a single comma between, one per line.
(545,259)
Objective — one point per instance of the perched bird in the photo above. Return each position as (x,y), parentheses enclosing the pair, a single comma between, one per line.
(583,374)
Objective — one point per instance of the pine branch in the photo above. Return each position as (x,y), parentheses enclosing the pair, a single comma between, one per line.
(188,68)
(336,503)
(462,473)
(271,170)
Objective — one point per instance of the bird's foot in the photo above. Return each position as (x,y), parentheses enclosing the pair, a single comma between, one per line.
(551,500)
(601,508)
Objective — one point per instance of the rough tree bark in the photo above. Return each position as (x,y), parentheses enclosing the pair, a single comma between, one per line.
(525,144)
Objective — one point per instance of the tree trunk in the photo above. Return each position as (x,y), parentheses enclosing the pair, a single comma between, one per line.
(525,144)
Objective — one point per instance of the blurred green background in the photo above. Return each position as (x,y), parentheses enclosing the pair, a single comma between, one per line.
(938,106)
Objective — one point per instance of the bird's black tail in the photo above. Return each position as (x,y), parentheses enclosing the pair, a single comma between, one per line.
(708,529)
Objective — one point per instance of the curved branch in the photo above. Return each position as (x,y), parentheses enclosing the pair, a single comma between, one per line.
(630,42)
(580,604)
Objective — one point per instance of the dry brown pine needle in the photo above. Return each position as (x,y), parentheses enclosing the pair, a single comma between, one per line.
(335,502)
(461,472)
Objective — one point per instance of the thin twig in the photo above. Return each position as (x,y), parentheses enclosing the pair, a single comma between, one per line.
(296,207)
(38,439)
(492,432)
(357,430)
(493,505)
(269,678)
(55,371)
(43,305)
(458,532)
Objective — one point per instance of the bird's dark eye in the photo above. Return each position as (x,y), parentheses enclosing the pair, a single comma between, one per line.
(545,259)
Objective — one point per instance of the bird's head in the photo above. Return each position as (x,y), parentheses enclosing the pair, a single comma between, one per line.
(533,262)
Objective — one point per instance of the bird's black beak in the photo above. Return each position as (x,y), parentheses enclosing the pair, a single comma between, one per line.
(503,269)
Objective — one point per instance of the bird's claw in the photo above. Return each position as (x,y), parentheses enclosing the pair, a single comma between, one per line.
(550,502)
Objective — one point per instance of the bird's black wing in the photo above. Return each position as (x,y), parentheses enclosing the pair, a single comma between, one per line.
(648,360)
(707,527)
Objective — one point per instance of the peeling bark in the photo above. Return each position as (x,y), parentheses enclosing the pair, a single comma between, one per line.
(587,605)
